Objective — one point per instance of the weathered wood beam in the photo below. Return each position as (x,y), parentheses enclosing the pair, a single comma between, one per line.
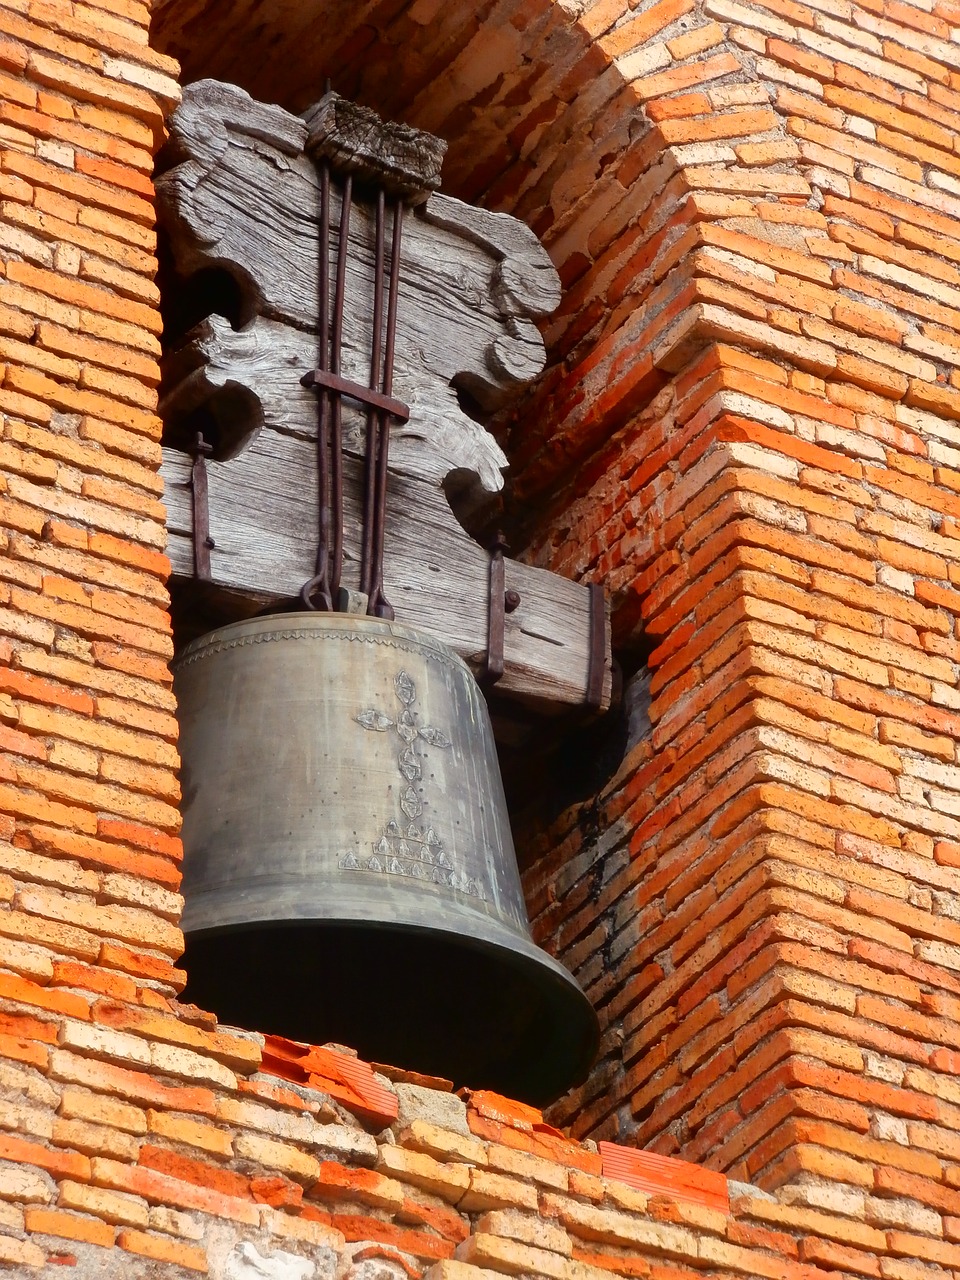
(239,192)
(262,522)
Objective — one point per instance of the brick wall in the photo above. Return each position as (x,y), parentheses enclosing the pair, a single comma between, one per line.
(768,917)
(749,432)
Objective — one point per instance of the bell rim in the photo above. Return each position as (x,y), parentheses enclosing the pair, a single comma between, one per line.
(462,920)
(562,998)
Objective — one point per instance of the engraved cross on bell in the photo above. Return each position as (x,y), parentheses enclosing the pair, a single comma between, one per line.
(408,847)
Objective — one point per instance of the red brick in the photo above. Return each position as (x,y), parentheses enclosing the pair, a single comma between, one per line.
(199,1172)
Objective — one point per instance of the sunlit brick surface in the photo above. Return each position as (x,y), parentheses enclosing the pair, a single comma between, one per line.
(750,433)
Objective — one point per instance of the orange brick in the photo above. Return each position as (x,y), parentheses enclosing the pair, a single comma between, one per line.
(279,1192)
(62,1164)
(68,973)
(686,76)
(357,1186)
(29,1051)
(194,1133)
(198,1172)
(13,55)
(141,964)
(25,992)
(636,32)
(93,88)
(679,107)
(20,1027)
(837,1257)
(69,1226)
(161,1188)
(241,1054)
(418,1243)
(162,1249)
(422,1210)
(78,1104)
(99,853)
(79,294)
(131,1086)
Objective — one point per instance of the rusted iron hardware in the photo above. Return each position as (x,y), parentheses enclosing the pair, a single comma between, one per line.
(241,200)
(321,592)
(403,165)
(378,425)
(502,602)
(202,542)
(598,648)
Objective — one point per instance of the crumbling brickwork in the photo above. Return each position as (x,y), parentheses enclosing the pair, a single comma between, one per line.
(749,433)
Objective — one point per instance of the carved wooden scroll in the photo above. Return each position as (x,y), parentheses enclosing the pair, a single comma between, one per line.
(240,194)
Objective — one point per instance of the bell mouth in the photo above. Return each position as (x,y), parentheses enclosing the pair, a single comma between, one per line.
(516,1022)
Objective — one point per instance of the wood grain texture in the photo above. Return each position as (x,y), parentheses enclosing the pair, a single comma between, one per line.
(435,576)
(239,194)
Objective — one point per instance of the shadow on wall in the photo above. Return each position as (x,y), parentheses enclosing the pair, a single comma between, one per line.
(503,92)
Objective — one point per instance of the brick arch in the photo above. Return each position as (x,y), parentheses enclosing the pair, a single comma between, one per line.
(623,139)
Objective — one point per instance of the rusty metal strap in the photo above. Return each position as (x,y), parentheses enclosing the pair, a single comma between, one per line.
(319,591)
(202,542)
(501,603)
(378,425)
(322,591)
(597,659)
(496,624)
(356,391)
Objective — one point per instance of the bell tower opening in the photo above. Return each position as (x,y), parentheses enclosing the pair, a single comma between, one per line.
(332,894)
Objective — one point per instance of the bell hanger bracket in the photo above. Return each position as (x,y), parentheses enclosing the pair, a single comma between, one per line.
(432,309)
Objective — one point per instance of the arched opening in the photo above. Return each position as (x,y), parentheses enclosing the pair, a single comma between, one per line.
(540,124)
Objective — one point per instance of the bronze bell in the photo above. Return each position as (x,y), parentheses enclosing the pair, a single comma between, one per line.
(349,871)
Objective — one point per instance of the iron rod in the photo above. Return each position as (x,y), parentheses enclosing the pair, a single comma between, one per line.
(373,415)
(496,620)
(336,446)
(316,593)
(354,391)
(379,605)
(596,665)
(202,542)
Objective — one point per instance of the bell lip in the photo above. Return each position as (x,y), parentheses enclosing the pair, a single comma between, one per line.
(571,1009)
(268,623)
(482,929)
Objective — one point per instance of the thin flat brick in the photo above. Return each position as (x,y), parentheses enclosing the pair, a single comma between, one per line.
(159,1188)
(132,1086)
(163,1249)
(60,1163)
(747,432)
